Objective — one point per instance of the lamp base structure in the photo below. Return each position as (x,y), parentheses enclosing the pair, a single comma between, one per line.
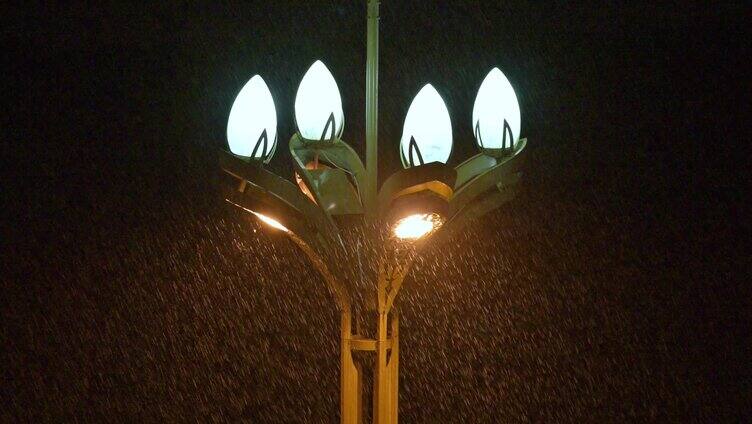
(386,371)
(385,346)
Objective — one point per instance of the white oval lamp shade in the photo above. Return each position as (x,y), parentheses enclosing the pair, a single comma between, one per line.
(318,105)
(252,126)
(427,133)
(496,113)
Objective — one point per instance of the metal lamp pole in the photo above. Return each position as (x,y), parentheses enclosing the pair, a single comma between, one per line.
(372,107)
(386,385)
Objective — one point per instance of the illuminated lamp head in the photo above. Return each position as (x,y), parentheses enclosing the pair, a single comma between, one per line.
(415,215)
(270,221)
(419,201)
(252,125)
(427,132)
(416,226)
(318,106)
(496,115)
(268,211)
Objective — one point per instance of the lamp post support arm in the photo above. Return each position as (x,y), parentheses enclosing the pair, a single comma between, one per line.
(396,275)
(282,189)
(309,227)
(475,209)
(310,244)
(497,175)
(472,167)
(339,291)
(327,169)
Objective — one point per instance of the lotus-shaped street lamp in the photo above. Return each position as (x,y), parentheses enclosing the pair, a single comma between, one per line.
(333,192)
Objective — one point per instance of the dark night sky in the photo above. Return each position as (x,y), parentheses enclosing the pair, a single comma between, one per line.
(615,288)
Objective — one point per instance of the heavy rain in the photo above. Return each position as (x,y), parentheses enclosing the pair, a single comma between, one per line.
(609,290)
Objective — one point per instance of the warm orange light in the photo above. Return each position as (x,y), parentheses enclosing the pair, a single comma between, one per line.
(303,187)
(270,221)
(416,226)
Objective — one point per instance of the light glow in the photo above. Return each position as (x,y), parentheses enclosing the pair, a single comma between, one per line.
(302,185)
(415,226)
(270,221)
(318,102)
(495,104)
(427,122)
(253,113)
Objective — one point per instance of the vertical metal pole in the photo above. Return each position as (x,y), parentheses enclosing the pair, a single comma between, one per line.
(351,408)
(372,107)
(394,368)
(384,387)
(382,413)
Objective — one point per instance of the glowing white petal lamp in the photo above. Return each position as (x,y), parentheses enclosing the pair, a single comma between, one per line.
(252,126)
(427,133)
(318,105)
(496,113)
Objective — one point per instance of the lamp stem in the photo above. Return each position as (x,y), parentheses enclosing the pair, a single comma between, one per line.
(372,106)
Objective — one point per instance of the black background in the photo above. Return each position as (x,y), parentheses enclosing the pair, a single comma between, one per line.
(614,288)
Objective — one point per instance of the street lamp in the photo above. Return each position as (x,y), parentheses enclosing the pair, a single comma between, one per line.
(333,190)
